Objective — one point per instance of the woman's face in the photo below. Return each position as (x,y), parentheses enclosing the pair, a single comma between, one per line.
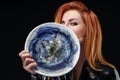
(73,20)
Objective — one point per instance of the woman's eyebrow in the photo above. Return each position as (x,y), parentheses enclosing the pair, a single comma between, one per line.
(73,19)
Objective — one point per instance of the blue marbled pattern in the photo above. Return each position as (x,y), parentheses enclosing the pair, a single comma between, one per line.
(52,47)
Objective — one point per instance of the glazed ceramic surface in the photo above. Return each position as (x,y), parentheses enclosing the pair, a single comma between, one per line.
(54,47)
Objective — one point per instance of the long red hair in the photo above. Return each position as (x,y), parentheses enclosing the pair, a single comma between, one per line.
(93,36)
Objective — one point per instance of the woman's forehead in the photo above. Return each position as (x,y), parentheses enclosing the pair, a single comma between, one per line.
(71,14)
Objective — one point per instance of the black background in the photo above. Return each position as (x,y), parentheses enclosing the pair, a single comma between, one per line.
(17,19)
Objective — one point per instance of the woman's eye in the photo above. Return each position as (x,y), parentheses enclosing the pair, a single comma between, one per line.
(73,23)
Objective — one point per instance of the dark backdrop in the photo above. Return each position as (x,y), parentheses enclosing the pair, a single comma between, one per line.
(19,18)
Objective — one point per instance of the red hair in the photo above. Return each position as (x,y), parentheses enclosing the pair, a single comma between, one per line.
(93,35)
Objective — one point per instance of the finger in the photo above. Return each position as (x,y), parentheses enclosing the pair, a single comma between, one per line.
(23,52)
(27,61)
(30,67)
(24,56)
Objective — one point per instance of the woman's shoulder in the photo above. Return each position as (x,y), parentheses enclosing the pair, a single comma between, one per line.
(107,72)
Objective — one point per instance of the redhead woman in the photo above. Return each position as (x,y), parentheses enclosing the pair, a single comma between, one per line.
(91,65)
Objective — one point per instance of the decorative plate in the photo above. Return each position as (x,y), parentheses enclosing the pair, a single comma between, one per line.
(54,47)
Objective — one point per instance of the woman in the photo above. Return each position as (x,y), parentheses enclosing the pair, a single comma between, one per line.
(85,24)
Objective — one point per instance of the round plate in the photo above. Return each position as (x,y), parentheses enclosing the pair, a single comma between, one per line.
(54,47)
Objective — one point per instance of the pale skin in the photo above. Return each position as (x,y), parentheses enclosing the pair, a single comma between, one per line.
(73,20)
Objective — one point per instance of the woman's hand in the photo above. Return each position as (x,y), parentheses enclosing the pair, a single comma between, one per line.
(27,61)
